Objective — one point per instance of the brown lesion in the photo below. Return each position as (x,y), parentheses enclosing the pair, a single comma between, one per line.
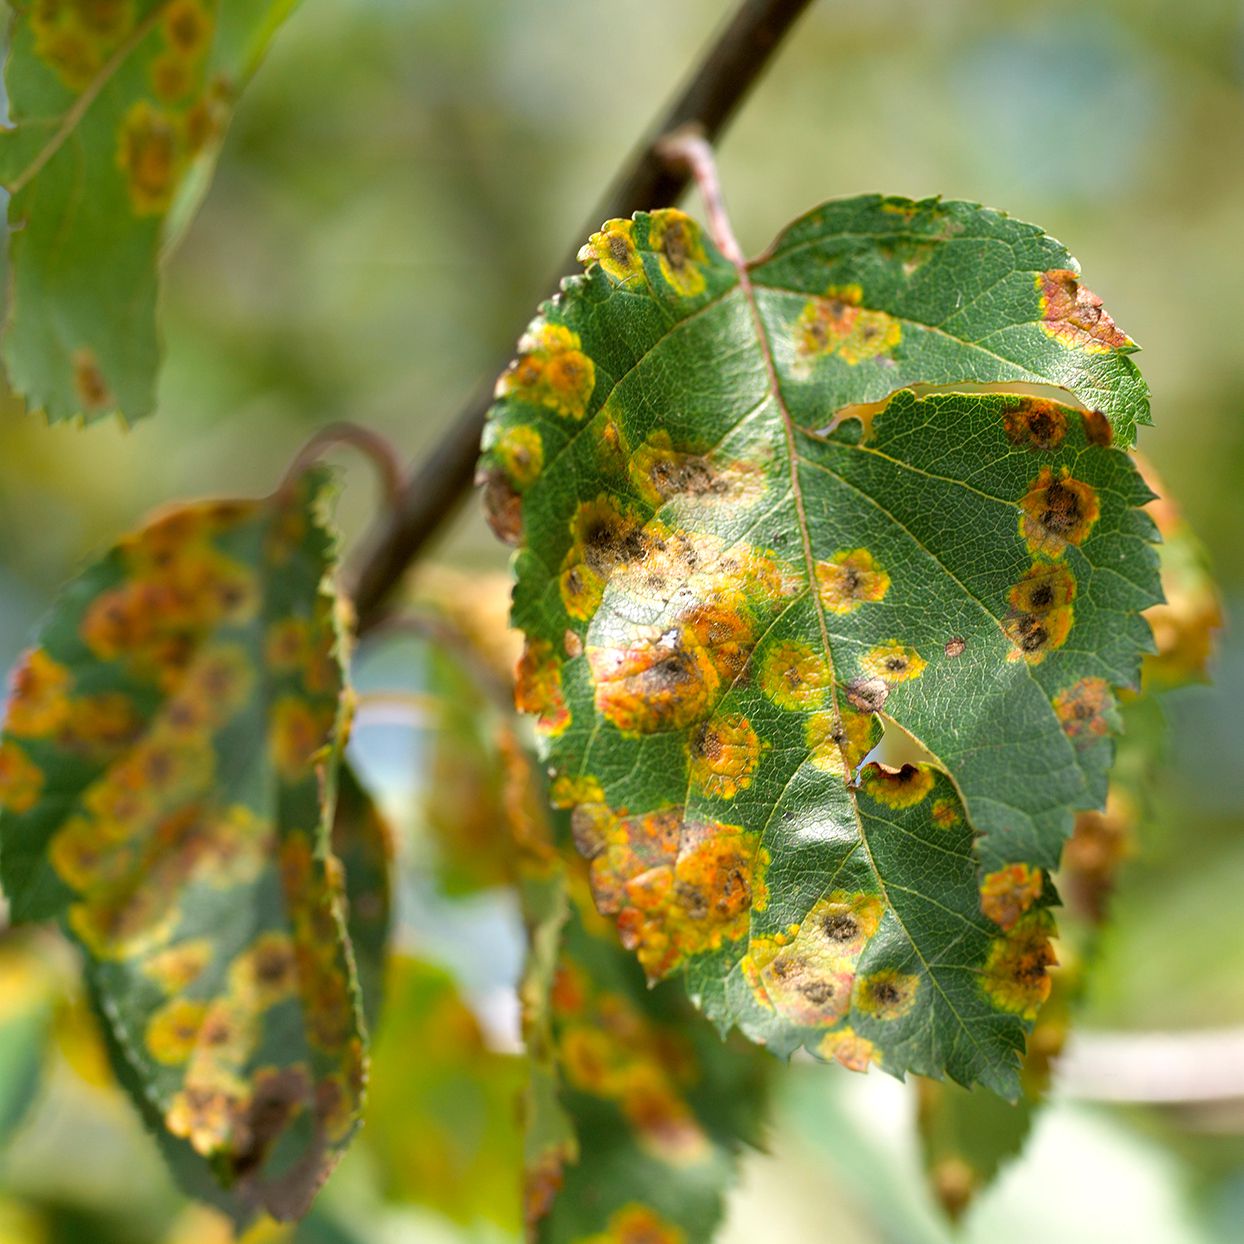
(1035,423)
(1041,615)
(1075,316)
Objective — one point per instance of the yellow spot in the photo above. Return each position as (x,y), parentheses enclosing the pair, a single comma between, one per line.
(520,451)
(299,731)
(724,753)
(614,249)
(838,742)
(1056,512)
(848,1048)
(637,1224)
(1009,892)
(946,813)
(809,979)
(287,644)
(180,966)
(837,324)
(569,792)
(207,1115)
(172,77)
(849,579)
(87,856)
(188,28)
(21,780)
(124,925)
(152,154)
(603,537)
(538,687)
(173,1031)
(265,974)
(675,238)
(793,675)
(661,473)
(898,788)
(887,994)
(76,37)
(1015,978)
(893,662)
(551,370)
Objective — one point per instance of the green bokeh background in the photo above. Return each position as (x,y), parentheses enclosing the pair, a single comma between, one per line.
(398,182)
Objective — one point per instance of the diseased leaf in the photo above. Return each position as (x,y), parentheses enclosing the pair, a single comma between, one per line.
(169,767)
(727,589)
(659,1105)
(118,109)
(363,844)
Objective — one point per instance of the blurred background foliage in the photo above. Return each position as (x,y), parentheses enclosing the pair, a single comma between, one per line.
(397,183)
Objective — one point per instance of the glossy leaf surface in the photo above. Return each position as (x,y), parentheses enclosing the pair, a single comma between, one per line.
(729,581)
(169,765)
(118,108)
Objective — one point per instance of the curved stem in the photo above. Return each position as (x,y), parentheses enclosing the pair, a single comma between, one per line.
(435,486)
(378,450)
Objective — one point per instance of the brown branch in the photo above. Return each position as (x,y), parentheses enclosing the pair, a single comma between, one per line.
(437,484)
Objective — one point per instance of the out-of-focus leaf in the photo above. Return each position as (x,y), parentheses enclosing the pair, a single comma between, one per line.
(1185,623)
(659,1104)
(363,844)
(118,109)
(168,774)
(27,1008)
(726,588)
(443,1128)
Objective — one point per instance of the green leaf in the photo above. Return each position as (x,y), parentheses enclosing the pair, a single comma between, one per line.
(363,844)
(167,776)
(727,589)
(441,1127)
(118,110)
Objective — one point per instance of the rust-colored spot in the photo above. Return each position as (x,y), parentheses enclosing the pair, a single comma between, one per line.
(1082,707)
(955,647)
(1009,892)
(837,324)
(659,682)
(793,675)
(187,27)
(723,754)
(152,154)
(677,888)
(893,662)
(1035,423)
(1074,315)
(887,994)
(1041,614)
(551,371)
(173,1031)
(946,814)
(1015,977)
(1057,511)
(520,452)
(1099,844)
(89,383)
(603,536)
(849,579)
(898,788)
(21,780)
(538,687)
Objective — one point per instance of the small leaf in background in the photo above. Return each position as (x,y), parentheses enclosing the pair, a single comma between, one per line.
(743,554)
(443,1131)
(118,110)
(180,721)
